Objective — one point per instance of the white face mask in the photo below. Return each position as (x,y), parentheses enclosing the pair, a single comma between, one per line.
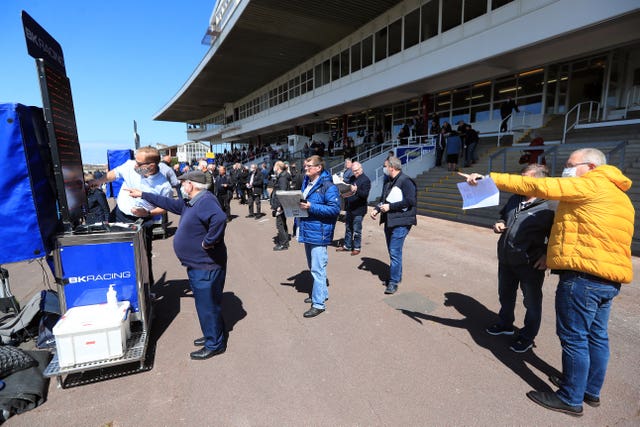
(569,172)
(183,193)
(385,171)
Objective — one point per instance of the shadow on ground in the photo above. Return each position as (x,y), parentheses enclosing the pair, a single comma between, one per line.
(476,319)
(375,267)
(302,282)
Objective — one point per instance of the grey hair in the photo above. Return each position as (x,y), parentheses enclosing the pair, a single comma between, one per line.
(539,171)
(592,155)
(199,185)
(395,163)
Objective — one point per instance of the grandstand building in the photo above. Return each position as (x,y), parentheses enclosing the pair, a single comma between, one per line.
(276,68)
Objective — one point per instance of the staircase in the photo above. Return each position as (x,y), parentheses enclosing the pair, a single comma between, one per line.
(438,194)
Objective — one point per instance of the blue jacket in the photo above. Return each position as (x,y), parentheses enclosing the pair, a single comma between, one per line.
(201,221)
(318,227)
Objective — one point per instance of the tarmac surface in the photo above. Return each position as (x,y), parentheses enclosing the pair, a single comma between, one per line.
(420,357)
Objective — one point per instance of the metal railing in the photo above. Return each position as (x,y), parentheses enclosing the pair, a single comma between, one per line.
(612,150)
(584,112)
(514,121)
(633,99)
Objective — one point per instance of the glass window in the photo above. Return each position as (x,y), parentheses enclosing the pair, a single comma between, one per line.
(395,37)
(429,19)
(503,89)
(461,97)
(326,72)
(355,57)
(367,51)
(480,113)
(481,93)
(318,75)
(344,63)
(381,44)
(474,8)
(412,28)
(499,3)
(335,67)
(451,14)
(530,82)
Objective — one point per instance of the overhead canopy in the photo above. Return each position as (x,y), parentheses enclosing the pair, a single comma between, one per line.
(270,38)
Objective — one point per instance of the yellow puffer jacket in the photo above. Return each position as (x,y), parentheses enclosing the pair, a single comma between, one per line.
(593,225)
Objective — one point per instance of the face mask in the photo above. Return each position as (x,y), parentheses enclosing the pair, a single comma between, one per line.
(385,171)
(569,172)
(183,193)
(142,170)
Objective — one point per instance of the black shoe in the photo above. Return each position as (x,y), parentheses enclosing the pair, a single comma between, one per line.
(308,300)
(592,401)
(258,216)
(521,345)
(498,329)
(205,353)
(280,247)
(199,342)
(313,312)
(391,289)
(250,216)
(552,401)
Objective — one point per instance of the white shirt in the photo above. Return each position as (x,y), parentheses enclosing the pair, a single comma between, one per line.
(156,184)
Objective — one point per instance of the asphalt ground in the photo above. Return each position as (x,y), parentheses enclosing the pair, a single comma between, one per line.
(420,357)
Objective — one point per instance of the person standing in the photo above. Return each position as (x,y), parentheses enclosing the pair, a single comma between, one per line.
(524,226)
(254,192)
(505,112)
(590,250)
(397,211)
(356,208)
(282,183)
(224,191)
(199,245)
(321,200)
(143,173)
(97,206)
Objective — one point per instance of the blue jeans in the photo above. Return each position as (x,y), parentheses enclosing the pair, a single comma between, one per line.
(395,240)
(353,231)
(207,287)
(530,281)
(582,314)
(317,259)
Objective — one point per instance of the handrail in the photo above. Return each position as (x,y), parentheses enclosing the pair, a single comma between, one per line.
(519,117)
(551,153)
(633,98)
(408,155)
(578,108)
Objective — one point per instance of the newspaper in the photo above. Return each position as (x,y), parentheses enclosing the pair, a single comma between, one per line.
(343,187)
(290,201)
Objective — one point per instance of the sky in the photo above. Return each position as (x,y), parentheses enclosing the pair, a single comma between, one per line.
(125,60)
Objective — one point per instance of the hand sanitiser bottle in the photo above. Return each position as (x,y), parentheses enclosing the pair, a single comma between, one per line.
(112,298)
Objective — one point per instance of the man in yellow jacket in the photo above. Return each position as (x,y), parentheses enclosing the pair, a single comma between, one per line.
(590,249)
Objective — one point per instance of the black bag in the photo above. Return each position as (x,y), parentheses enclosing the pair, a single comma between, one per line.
(50,310)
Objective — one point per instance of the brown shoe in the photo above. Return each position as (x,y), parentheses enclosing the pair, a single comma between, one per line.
(342,249)
(355,252)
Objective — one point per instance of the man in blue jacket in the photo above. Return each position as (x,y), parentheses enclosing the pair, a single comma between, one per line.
(199,245)
(398,214)
(321,200)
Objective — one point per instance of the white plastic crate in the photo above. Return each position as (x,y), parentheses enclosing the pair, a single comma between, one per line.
(92,333)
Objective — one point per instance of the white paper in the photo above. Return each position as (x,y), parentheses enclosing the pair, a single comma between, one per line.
(394,196)
(290,201)
(343,187)
(479,196)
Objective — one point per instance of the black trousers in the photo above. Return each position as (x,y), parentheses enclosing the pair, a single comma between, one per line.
(283,230)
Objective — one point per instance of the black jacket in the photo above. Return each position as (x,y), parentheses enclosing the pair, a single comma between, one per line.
(282,183)
(402,212)
(528,227)
(356,205)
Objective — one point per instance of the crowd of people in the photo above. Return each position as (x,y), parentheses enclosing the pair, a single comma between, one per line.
(585,240)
